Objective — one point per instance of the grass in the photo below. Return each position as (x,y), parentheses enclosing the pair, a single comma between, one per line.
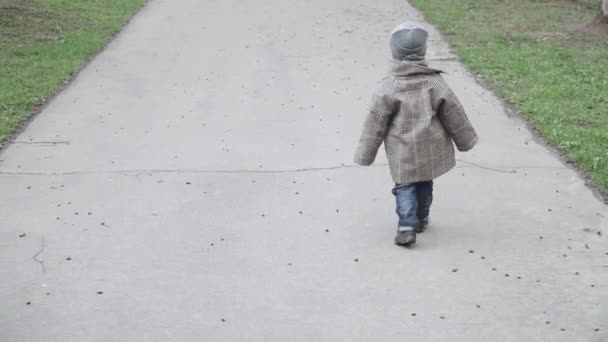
(547,59)
(44,42)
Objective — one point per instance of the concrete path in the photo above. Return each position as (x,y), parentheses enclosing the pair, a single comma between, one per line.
(194,183)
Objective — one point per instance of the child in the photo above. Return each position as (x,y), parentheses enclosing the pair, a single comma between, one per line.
(417,116)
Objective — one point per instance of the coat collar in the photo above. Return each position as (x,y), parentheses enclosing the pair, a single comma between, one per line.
(404,69)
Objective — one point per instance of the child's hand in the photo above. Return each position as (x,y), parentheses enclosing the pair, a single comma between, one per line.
(359,160)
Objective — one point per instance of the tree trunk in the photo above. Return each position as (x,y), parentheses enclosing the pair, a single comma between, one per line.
(604,12)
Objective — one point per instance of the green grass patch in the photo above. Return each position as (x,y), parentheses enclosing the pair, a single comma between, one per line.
(547,59)
(44,42)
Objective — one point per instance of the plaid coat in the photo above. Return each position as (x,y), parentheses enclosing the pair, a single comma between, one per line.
(417,116)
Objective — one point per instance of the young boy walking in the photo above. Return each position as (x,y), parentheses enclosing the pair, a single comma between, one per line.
(417,116)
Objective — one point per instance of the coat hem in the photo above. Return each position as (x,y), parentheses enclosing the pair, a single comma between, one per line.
(434,176)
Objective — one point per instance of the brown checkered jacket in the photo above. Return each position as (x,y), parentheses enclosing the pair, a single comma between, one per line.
(417,116)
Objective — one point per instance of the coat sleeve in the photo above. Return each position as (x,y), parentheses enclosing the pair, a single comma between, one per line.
(455,120)
(374,128)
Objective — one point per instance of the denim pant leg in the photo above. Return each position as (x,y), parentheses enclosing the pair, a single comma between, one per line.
(424,196)
(405,195)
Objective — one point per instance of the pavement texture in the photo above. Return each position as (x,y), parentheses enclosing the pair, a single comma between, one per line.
(195,183)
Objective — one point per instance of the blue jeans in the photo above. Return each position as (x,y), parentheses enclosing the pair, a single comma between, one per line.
(413,203)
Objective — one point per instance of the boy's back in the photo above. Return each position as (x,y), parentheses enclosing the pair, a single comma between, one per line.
(417,116)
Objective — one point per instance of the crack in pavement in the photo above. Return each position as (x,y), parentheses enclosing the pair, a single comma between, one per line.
(41,142)
(138,172)
(35,256)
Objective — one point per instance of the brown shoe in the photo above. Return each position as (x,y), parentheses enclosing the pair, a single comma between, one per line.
(421,227)
(405,238)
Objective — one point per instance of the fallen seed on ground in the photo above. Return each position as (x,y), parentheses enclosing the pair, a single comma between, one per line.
(493,268)
(28,303)
(22,235)
(441,317)
(548,322)
(596,329)
(506,274)
(471,251)
(454,270)
(188,183)
(327,230)
(223,320)
(68,258)
(478,306)
(562,329)
(356,259)
(48,293)
(212,245)
(414,314)
(99,292)
(483,257)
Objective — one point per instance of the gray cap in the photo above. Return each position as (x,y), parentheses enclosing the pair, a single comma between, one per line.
(408,42)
